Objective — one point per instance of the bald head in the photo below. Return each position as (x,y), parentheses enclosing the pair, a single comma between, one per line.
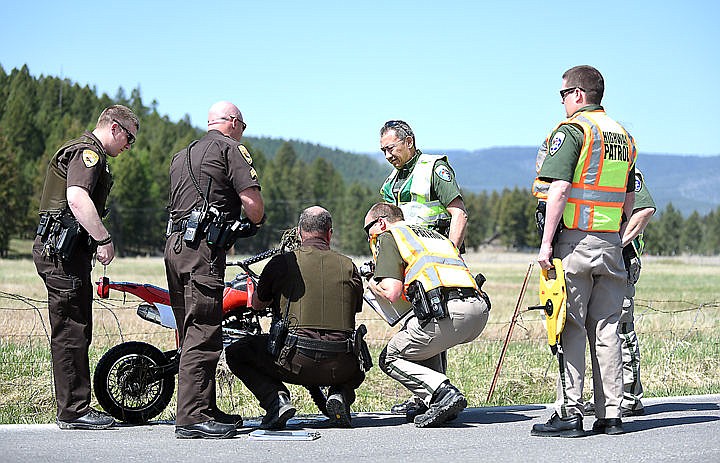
(226,118)
(315,222)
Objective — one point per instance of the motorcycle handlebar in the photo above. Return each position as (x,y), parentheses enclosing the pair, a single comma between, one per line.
(246,263)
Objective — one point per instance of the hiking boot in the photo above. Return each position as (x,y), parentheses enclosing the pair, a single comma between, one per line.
(205,430)
(447,401)
(612,426)
(279,413)
(560,427)
(411,408)
(339,412)
(93,419)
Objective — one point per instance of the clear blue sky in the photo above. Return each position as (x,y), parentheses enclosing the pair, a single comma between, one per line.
(465,74)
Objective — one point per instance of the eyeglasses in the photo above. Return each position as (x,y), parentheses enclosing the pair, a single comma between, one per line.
(371,224)
(389,148)
(130,137)
(244,125)
(566,91)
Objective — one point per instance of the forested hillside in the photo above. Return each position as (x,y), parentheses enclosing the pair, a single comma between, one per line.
(38,114)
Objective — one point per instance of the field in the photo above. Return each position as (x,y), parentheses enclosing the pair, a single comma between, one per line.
(676,319)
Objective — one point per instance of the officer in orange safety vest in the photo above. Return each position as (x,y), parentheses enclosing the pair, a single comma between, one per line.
(585,180)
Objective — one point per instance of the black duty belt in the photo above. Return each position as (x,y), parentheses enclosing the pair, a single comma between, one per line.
(180,225)
(459,293)
(320,345)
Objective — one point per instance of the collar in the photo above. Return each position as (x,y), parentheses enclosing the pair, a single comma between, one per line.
(590,107)
(95,142)
(408,166)
(317,243)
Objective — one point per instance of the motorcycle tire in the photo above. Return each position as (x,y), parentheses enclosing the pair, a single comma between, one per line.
(123,387)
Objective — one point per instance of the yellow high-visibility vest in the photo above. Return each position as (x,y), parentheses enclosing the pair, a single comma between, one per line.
(431,258)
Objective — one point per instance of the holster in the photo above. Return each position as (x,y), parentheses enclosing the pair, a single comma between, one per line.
(361,349)
(60,234)
(633,264)
(427,305)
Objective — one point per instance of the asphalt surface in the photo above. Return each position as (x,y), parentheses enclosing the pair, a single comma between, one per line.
(673,429)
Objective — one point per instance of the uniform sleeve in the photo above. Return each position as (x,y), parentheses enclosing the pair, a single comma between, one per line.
(84,168)
(563,154)
(356,286)
(389,262)
(241,172)
(643,198)
(274,271)
(444,183)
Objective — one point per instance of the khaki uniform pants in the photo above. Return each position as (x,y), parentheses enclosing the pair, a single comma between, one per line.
(196,282)
(413,355)
(632,388)
(595,278)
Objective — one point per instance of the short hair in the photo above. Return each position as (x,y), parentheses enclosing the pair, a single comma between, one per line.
(401,128)
(120,113)
(387,210)
(315,220)
(589,79)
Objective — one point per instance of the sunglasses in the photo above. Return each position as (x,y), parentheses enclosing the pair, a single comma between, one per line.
(130,137)
(566,91)
(370,225)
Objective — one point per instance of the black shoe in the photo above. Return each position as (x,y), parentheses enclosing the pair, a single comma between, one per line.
(632,411)
(612,426)
(205,430)
(93,419)
(339,412)
(279,413)
(446,402)
(226,418)
(589,409)
(411,408)
(560,427)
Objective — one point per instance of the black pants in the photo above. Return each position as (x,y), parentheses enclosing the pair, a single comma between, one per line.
(249,360)
(196,282)
(70,293)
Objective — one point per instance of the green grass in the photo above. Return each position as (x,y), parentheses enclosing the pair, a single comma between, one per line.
(677,318)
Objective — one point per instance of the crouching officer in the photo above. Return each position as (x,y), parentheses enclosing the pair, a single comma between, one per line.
(449,309)
(315,293)
(76,188)
(211,181)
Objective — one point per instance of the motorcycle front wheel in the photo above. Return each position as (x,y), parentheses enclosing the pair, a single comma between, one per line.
(126,385)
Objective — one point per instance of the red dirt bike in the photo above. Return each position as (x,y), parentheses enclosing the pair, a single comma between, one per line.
(135,381)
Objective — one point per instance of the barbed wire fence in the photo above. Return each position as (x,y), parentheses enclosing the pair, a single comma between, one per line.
(668,329)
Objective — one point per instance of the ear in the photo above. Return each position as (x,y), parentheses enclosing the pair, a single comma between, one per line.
(411,142)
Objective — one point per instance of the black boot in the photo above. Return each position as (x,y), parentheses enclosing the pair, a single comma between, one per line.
(560,427)
(279,412)
(338,410)
(93,419)
(447,401)
(205,430)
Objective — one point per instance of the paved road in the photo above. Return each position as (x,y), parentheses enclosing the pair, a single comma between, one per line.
(682,429)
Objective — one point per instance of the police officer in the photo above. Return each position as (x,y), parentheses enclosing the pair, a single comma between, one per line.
(449,310)
(633,246)
(589,163)
(425,188)
(211,181)
(77,185)
(422,185)
(315,292)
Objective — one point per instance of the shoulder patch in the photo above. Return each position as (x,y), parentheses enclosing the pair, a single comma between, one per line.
(253,173)
(245,154)
(90,158)
(444,173)
(556,143)
(638,184)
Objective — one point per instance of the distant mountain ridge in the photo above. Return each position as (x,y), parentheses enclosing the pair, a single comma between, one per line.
(689,182)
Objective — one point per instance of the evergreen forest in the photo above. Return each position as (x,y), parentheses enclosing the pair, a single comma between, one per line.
(38,114)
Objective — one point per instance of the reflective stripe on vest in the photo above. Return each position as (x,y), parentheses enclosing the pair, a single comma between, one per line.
(599,183)
(431,258)
(419,210)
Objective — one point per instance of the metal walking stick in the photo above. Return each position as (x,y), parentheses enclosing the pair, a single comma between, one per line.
(510,330)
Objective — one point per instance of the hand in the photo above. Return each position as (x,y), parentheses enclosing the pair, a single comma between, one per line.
(106,253)
(545,257)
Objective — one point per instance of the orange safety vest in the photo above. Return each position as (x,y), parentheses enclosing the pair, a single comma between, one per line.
(599,182)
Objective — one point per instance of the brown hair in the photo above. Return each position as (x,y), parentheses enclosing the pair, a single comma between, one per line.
(120,113)
(589,79)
